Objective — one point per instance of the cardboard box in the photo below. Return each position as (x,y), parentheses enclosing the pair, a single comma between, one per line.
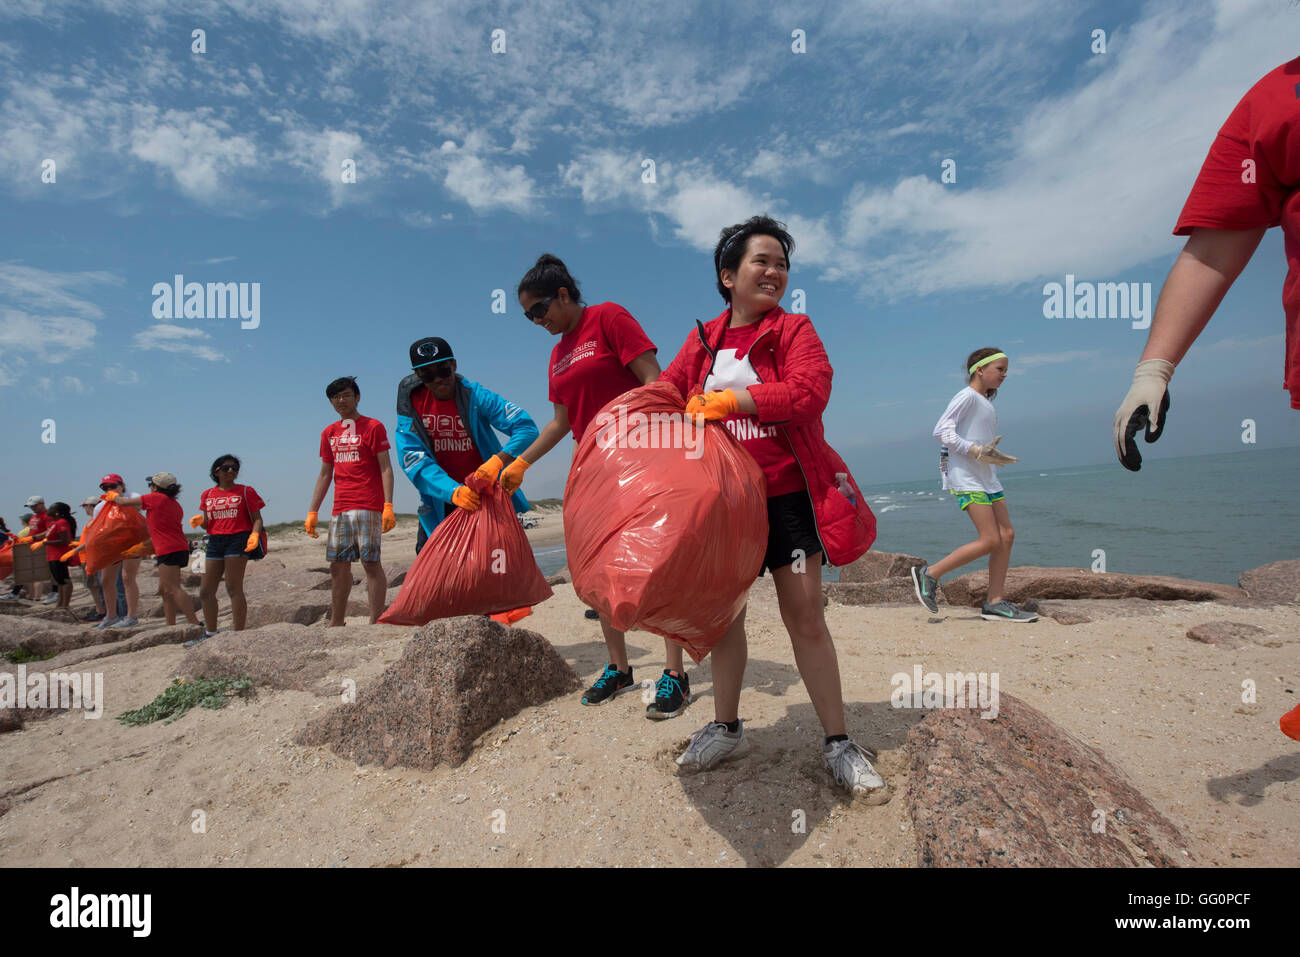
(31,567)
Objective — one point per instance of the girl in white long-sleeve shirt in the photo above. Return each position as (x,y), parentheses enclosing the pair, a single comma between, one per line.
(966,430)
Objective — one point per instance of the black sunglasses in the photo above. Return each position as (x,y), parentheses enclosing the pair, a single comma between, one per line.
(532,314)
(107,488)
(227,468)
(439,370)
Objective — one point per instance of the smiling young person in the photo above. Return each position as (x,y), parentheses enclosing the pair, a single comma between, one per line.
(766,377)
(232,516)
(602,353)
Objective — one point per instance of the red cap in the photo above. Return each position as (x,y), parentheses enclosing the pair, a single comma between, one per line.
(112,478)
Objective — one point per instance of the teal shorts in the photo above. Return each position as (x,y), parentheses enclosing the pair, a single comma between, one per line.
(965,499)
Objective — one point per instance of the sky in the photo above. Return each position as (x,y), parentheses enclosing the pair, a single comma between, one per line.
(621,138)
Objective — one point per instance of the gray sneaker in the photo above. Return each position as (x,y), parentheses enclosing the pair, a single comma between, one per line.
(711,745)
(850,765)
(127,623)
(926,587)
(50,599)
(1005,611)
(199,640)
(106,623)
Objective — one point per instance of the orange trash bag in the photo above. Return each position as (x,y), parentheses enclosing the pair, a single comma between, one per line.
(665,521)
(113,532)
(474,563)
(6,560)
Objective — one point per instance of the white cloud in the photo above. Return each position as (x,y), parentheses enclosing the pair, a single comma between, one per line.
(117,375)
(197,149)
(44,318)
(485,185)
(182,340)
(322,154)
(70,384)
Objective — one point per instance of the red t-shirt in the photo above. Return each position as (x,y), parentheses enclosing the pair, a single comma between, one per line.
(1250,179)
(589,363)
(165,516)
(227,510)
(39,523)
(352,446)
(766,443)
(58,540)
(453,447)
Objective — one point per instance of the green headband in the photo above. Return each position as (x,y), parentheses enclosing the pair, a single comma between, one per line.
(986,360)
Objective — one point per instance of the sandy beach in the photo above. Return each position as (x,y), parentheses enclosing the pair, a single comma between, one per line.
(562,784)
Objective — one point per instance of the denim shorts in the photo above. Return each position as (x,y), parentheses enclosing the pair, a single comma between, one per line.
(227,546)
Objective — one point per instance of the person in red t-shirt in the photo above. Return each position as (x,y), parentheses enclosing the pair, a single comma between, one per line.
(354,454)
(1246,185)
(165,517)
(602,353)
(58,538)
(36,529)
(232,516)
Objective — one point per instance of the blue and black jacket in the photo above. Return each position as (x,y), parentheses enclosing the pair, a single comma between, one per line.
(481,410)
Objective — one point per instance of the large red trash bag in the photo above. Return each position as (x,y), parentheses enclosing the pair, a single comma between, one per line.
(112,532)
(6,560)
(662,536)
(474,563)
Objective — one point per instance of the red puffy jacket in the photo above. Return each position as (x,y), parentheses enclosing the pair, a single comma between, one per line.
(789,357)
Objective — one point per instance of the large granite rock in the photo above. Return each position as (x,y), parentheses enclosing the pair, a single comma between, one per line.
(875,566)
(887,591)
(1277,582)
(457,678)
(44,636)
(1079,611)
(1029,581)
(146,638)
(1019,791)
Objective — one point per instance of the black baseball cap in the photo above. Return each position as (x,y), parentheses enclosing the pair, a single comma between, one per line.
(425,352)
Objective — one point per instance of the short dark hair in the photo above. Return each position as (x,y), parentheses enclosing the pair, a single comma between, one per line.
(342,384)
(223,458)
(170,491)
(547,277)
(733,240)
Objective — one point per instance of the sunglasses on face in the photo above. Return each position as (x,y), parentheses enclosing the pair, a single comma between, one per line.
(227,468)
(107,488)
(439,370)
(539,309)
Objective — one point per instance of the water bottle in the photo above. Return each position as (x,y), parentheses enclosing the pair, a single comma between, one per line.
(842,483)
(943,461)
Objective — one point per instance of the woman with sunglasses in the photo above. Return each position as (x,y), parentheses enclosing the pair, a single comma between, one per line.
(232,516)
(602,353)
(164,515)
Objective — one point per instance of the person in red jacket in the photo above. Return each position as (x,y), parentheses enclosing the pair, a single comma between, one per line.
(765,376)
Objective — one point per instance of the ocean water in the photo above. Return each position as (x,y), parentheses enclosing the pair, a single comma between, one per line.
(1207,518)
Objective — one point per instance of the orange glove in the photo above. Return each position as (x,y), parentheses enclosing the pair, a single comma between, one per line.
(67,556)
(513,475)
(109,496)
(310,525)
(197,521)
(712,406)
(24,539)
(490,469)
(254,539)
(388,518)
(35,545)
(135,551)
(466,498)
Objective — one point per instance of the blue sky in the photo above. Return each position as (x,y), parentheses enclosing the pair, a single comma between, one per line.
(224,166)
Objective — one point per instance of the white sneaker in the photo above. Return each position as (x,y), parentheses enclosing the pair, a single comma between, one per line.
(127,623)
(50,599)
(850,765)
(711,745)
(106,623)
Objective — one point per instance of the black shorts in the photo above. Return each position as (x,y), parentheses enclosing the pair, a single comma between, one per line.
(179,559)
(791,530)
(59,572)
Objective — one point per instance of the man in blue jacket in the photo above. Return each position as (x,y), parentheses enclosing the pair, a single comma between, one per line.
(445,428)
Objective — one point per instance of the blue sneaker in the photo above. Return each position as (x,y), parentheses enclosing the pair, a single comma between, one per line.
(611,683)
(672,693)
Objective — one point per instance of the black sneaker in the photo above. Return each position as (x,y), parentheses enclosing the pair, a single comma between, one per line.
(591,614)
(93,615)
(672,693)
(926,586)
(611,682)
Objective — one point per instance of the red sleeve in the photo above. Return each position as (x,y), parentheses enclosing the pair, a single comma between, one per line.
(805,386)
(625,336)
(679,371)
(149,500)
(325,454)
(252,499)
(1239,185)
(378,437)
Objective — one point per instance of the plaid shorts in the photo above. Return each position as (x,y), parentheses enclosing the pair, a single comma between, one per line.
(354,536)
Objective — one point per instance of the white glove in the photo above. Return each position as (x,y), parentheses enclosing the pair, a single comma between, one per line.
(991,455)
(1147,393)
